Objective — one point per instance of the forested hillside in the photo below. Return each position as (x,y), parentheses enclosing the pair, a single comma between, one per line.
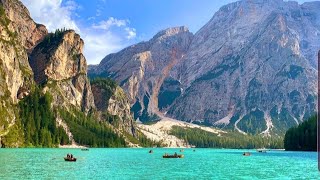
(302,137)
(203,139)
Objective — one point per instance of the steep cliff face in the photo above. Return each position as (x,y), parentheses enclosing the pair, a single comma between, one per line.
(18,34)
(29,32)
(141,69)
(114,105)
(58,63)
(252,67)
(15,73)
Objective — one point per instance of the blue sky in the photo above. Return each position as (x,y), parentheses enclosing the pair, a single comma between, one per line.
(107,26)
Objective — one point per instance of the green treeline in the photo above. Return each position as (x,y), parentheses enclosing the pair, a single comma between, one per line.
(204,139)
(52,39)
(302,137)
(146,142)
(87,131)
(39,122)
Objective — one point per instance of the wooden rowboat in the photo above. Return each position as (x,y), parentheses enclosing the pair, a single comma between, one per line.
(173,156)
(70,159)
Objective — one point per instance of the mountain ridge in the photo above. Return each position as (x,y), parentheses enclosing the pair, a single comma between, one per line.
(227,72)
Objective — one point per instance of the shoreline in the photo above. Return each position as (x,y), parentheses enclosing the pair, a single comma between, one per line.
(187,148)
(72,146)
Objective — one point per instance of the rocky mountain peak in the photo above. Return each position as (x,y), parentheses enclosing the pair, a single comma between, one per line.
(171,32)
(58,61)
(226,74)
(18,35)
(29,32)
(62,59)
(72,38)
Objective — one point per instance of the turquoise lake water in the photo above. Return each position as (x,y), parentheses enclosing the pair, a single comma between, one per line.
(139,164)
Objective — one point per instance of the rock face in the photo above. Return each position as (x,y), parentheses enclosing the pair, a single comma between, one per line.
(116,103)
(141,69)
(18,34)
(252,67)
(29,32)
(62,67)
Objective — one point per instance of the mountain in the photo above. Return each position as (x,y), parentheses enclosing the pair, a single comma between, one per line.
(19,34)
(58,63)
(143,68)
(46,98)
(252,68)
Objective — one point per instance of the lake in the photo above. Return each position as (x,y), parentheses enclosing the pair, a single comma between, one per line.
(137,163)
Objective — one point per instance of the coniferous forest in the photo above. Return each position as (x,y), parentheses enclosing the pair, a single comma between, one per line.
(40,129)
(87,131)
(39,123)
(302,137)
(204,139)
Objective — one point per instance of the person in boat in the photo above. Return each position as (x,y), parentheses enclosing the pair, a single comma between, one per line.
(71,156)
(68,155)
(175,154)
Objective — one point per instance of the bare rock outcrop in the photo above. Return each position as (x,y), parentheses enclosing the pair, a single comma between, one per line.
(141,69)
(62,67)
(114,106)
(18,34)
(256,60)
(29,32)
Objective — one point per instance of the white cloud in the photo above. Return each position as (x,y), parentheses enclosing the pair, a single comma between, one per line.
(100,38)
(98,45)
(105,37)
(52,14)
(131,32)
(105,25)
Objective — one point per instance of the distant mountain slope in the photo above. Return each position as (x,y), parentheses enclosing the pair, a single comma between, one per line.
(141,69)
(252,67)
(253,64)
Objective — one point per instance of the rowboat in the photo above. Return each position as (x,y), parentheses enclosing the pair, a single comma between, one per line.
(70,159)
(173,156)
(261,150)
